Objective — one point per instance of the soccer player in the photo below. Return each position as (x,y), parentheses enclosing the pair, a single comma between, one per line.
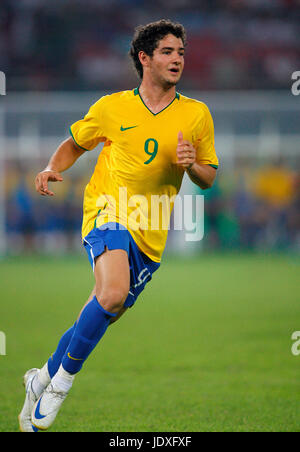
(152,135)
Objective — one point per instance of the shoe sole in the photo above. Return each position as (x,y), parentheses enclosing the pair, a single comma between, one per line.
(40,428)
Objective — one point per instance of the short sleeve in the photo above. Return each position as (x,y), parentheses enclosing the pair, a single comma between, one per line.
(88,132)
(205,141)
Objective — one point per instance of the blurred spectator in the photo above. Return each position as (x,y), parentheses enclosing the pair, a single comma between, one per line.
(20,215)
(274,188)
(213,209)
(274,184)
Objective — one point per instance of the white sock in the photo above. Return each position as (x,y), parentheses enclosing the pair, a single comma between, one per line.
(41,380)
(62,380)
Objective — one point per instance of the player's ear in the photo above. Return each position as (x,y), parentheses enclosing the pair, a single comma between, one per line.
(144,58)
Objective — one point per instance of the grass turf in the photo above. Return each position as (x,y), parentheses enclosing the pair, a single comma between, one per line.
(207,347)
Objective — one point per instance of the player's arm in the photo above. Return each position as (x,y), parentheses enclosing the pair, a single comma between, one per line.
(202,175)
(63,158)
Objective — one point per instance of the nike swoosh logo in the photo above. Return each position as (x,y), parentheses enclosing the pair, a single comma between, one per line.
(37,413)
(126,128)
(74,359)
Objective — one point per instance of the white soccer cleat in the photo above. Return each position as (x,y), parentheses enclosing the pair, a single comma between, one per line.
(46,407)
(30,399)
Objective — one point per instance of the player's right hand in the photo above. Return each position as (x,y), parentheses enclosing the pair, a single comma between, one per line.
(42,179)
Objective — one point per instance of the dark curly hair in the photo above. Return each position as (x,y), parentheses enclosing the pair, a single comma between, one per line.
(147,37)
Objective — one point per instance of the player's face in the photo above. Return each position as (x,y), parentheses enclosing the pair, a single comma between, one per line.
(166,64)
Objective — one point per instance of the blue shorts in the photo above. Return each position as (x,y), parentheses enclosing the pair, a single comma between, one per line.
(115,237)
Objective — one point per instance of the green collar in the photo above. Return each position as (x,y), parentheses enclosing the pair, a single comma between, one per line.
(136,92)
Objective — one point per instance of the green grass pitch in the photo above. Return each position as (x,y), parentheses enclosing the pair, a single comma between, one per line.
(207,347)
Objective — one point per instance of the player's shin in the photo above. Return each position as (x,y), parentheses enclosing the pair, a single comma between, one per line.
(55,360)
(90,328)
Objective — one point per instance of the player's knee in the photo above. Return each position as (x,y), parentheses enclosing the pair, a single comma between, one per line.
(112,300)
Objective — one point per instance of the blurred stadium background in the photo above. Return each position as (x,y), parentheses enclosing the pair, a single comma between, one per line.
(228,366)
(61,56)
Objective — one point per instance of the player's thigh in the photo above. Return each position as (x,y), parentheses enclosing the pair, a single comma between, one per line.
(112,275)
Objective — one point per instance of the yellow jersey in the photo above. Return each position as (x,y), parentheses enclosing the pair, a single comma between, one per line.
(137,165)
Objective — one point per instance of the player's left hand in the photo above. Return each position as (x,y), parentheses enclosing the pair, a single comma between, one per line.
(186,153)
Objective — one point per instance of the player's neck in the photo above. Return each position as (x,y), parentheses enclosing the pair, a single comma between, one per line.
(155,97)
